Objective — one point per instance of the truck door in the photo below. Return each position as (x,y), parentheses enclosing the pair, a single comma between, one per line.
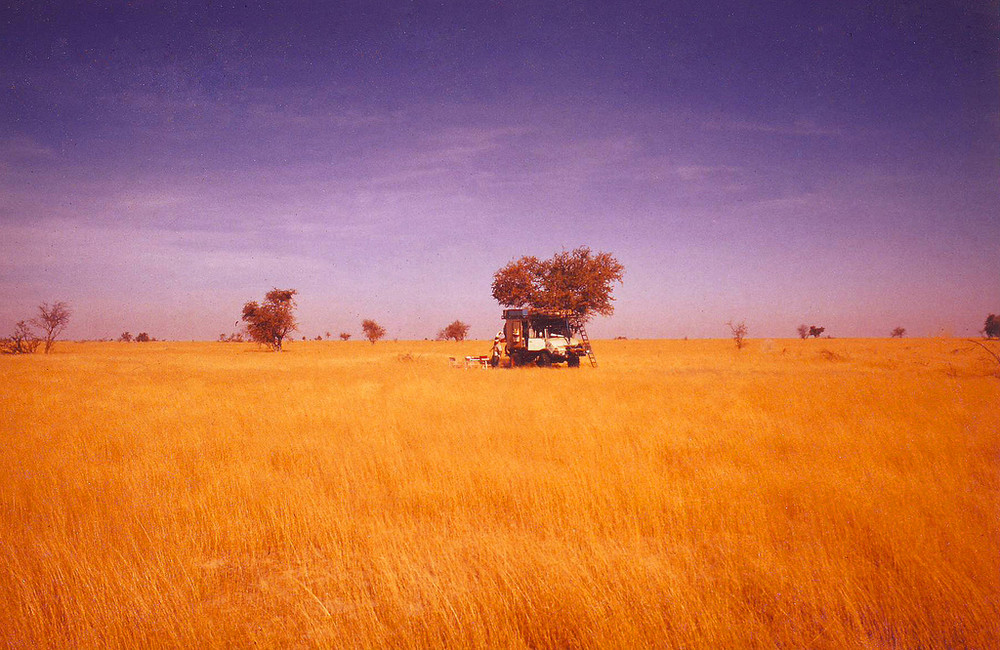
(514,334)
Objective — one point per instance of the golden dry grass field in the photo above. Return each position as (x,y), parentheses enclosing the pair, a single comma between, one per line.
(799,494)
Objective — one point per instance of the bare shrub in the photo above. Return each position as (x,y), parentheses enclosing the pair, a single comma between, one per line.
(52,320)
(22,341)
(739,332)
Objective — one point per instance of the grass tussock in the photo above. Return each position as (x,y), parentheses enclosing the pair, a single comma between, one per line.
(348,495)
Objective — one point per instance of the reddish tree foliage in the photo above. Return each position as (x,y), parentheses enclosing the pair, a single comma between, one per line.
(992,328)
(270,322)
(579,281)
(373,331)
(456,330)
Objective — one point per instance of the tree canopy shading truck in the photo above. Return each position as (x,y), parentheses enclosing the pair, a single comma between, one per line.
(540,337)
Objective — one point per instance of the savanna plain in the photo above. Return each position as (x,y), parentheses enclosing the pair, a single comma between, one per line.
(797,493)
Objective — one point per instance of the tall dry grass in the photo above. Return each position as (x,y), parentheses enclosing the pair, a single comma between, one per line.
(821,494)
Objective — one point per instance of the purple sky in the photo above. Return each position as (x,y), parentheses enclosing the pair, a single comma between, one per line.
(776,162)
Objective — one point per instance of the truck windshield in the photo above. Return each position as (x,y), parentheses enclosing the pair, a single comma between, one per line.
(547,329)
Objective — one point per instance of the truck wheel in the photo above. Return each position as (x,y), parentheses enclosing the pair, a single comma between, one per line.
(573,361)
(544,359)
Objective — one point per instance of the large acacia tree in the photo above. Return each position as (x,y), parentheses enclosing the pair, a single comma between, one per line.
(271,321)
(579,281)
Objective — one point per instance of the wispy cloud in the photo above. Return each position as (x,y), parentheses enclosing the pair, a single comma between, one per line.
(705,172)
(799,127)
(20,148)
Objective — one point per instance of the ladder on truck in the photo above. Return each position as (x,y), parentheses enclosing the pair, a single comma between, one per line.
(586,344)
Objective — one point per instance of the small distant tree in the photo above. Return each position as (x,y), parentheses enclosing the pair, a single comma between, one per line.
(21,341)
(816,331)
(739,331)
(327,335)
(803,331)
(344,336)
(456,330)
(897,333)
(271,321)
(318,337)
(126,337)
(991,330)
(142,337)
(373,331)
(51,320)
